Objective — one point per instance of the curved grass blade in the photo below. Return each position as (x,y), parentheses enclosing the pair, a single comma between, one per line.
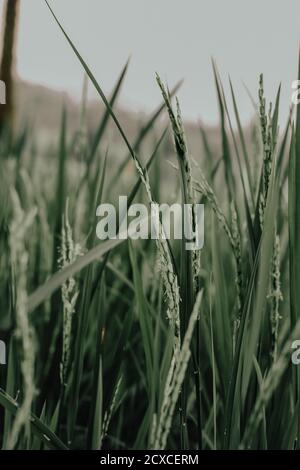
(38,427)
(145,131)
(46,290)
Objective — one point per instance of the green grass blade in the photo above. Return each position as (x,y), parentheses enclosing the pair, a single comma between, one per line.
(38,428)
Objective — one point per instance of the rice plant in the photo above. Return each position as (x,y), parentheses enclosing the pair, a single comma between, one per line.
(136,344)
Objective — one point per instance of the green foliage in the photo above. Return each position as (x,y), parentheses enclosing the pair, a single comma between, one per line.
(218,374)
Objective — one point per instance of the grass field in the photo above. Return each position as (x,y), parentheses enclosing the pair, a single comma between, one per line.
(140,344)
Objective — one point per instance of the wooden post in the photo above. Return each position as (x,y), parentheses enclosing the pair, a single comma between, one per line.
(8,61)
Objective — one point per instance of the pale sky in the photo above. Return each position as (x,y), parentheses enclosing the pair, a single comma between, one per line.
(176,38)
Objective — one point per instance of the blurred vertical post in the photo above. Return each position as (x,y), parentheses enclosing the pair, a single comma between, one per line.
(7,67)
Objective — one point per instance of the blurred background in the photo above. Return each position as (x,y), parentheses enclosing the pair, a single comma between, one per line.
(175,38)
